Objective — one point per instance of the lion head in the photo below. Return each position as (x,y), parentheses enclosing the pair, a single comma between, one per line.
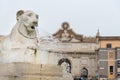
(27,21)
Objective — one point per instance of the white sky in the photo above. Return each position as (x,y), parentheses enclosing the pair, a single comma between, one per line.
(84,16)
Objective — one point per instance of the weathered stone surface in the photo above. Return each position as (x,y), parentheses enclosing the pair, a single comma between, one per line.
(28,71)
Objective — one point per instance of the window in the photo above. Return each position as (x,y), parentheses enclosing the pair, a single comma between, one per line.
(118,74)
(118,64)
(111,70)
(109,46)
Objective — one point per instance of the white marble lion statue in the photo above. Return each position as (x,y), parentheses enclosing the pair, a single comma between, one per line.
(21,44)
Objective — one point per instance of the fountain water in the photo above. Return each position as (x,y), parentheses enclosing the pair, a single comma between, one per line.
(46,41)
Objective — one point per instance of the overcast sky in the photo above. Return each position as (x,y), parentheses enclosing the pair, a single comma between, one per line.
(84,16)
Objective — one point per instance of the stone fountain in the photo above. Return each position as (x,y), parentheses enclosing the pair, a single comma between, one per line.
(23,56)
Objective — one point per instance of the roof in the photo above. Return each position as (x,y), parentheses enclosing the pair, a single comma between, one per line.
(89,40)
(108,37)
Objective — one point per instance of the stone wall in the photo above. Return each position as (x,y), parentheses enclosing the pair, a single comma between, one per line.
(103,69)
(103,54)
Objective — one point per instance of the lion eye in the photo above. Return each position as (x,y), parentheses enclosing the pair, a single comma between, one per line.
(30,15)
(37,16)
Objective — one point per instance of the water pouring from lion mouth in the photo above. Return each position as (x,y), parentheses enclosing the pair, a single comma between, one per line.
(46,41)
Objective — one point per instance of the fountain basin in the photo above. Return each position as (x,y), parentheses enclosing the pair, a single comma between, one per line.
(29,71)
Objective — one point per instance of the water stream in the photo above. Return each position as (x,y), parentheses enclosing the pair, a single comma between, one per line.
(46,41)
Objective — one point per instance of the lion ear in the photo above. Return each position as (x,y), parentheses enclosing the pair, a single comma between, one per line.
(19,13)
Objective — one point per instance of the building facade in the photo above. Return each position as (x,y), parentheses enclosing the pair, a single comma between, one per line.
(108,57)
(77,51)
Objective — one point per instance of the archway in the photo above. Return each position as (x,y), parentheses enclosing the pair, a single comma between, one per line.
(84,72)
(67,63)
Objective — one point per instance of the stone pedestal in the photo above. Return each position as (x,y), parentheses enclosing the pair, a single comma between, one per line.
(29,71)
